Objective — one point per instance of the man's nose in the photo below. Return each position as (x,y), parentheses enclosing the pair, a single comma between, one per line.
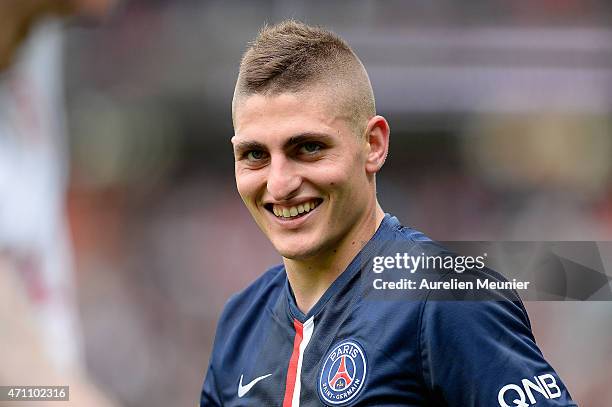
(283,180)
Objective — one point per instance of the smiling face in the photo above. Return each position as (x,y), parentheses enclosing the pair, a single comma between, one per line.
(302,172)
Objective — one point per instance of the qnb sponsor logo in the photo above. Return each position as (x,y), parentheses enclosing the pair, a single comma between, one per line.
(524,395)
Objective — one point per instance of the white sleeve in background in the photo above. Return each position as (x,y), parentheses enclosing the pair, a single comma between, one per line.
(33,180)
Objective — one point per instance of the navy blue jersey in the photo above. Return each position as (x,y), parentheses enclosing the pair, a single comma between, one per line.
(351,351)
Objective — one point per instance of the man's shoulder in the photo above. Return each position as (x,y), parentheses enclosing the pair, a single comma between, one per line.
(263,292)
(392,229)
(393,236)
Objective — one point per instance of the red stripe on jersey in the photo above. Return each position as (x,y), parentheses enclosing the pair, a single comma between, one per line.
(293,363)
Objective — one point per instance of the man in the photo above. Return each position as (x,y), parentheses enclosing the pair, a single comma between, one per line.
(308,145)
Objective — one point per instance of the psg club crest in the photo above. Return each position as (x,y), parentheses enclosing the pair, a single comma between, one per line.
(343,373)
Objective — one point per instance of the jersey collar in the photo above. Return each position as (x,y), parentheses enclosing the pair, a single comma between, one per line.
(388,225)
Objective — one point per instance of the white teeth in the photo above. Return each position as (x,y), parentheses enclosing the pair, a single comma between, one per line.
(284,212)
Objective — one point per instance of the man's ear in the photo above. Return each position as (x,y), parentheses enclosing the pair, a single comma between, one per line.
(377,138)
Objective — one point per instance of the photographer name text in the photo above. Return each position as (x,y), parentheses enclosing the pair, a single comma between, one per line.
(404,262)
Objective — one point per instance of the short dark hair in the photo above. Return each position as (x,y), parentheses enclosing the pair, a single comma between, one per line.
(291,56)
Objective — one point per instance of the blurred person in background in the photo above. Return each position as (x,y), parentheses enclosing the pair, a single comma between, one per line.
(307,146)
(40,338)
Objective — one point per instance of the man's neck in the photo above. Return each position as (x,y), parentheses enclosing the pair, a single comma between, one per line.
(310,278)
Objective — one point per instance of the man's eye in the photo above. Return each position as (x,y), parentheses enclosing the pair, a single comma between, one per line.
(255,155)
(310,148)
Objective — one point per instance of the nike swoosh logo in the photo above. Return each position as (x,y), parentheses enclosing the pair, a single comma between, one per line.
(242,390)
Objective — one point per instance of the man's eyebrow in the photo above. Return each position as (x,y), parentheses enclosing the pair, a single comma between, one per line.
(305,137)
(248,145)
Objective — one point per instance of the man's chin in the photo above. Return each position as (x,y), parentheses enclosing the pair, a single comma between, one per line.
(298,253)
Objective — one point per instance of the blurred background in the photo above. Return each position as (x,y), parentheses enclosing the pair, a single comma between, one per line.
(501,129)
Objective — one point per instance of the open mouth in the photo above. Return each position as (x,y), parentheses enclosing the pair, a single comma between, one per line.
(293,212)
